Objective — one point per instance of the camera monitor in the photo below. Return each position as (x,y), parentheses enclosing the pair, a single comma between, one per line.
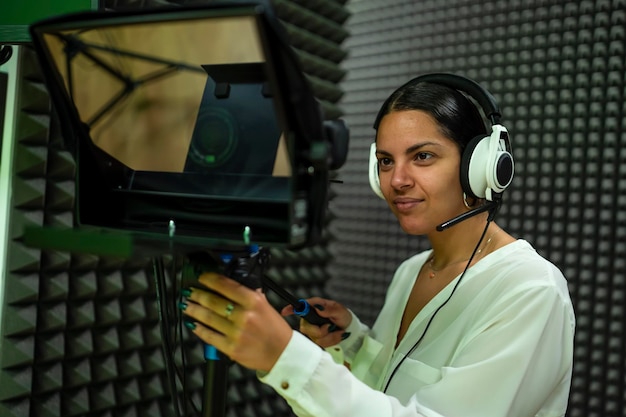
(189,126)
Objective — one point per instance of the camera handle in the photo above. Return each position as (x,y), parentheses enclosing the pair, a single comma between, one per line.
(301,307)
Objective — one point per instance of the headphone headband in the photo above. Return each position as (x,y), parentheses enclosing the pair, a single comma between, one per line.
(487,162)
(484,98)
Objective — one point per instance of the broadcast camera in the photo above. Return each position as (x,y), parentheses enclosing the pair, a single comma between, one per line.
(195,132)
(189,126)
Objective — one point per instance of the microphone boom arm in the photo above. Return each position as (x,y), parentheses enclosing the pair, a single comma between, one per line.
(491,206)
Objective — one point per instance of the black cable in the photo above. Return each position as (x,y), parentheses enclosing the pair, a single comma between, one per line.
(182,372)
(178,338)
(164,322)
(456,285)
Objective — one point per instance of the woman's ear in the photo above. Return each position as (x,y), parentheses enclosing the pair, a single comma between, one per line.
(472,202)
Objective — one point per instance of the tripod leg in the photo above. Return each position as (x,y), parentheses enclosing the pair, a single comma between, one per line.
(215,383)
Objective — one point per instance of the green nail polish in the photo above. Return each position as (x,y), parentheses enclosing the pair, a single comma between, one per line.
(345,335)
(182,306)
(186,292)
(190,325)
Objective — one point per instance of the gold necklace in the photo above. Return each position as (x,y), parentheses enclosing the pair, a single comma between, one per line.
(434,270)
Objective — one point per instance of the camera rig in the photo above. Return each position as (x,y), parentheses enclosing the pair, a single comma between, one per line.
(189,128)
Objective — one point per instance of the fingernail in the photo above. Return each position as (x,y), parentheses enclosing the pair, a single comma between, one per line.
(182,306)
(345,335)
(319,307)
(186,292)
(190,324)
(332,328)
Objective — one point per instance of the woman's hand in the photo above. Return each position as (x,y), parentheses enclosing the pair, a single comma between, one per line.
(327,334)
(237,321)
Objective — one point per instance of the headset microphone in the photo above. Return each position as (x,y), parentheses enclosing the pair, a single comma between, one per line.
(490,206)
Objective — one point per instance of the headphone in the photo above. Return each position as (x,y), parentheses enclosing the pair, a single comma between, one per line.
(486,162)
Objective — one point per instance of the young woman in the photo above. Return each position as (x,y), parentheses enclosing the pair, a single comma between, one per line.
(479,325)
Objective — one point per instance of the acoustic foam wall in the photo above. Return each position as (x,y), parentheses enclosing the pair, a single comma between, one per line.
(80,334)
(557,70)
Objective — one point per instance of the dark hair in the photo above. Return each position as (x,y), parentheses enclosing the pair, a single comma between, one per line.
(458,117)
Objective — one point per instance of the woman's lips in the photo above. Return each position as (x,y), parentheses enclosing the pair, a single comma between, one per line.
(404,204)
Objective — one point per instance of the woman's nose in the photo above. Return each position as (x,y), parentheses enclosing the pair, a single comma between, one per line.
(400,178)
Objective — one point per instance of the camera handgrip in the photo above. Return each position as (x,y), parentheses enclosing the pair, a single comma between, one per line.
(304,310)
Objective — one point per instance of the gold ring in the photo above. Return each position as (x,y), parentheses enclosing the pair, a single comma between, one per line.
(229,310)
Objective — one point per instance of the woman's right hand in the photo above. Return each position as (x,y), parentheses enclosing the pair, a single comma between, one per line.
(327,334)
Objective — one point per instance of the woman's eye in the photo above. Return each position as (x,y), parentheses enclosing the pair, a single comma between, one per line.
(384,162)
(422,156)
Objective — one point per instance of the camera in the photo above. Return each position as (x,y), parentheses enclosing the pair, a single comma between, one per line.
(188,126)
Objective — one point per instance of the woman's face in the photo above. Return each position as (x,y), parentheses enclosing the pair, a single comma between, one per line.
(418,171)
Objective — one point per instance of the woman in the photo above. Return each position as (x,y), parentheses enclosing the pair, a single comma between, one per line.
(479,325)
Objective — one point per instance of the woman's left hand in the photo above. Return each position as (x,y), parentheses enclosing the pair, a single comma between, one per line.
(237,321)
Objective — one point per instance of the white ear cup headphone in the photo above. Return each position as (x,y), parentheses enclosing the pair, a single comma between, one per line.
(487,162)
(373,171)
(487,165)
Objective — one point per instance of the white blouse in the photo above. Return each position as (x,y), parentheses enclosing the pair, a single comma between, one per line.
(501,346)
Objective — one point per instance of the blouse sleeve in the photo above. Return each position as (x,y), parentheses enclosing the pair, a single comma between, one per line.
(349,347)
(314,385)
